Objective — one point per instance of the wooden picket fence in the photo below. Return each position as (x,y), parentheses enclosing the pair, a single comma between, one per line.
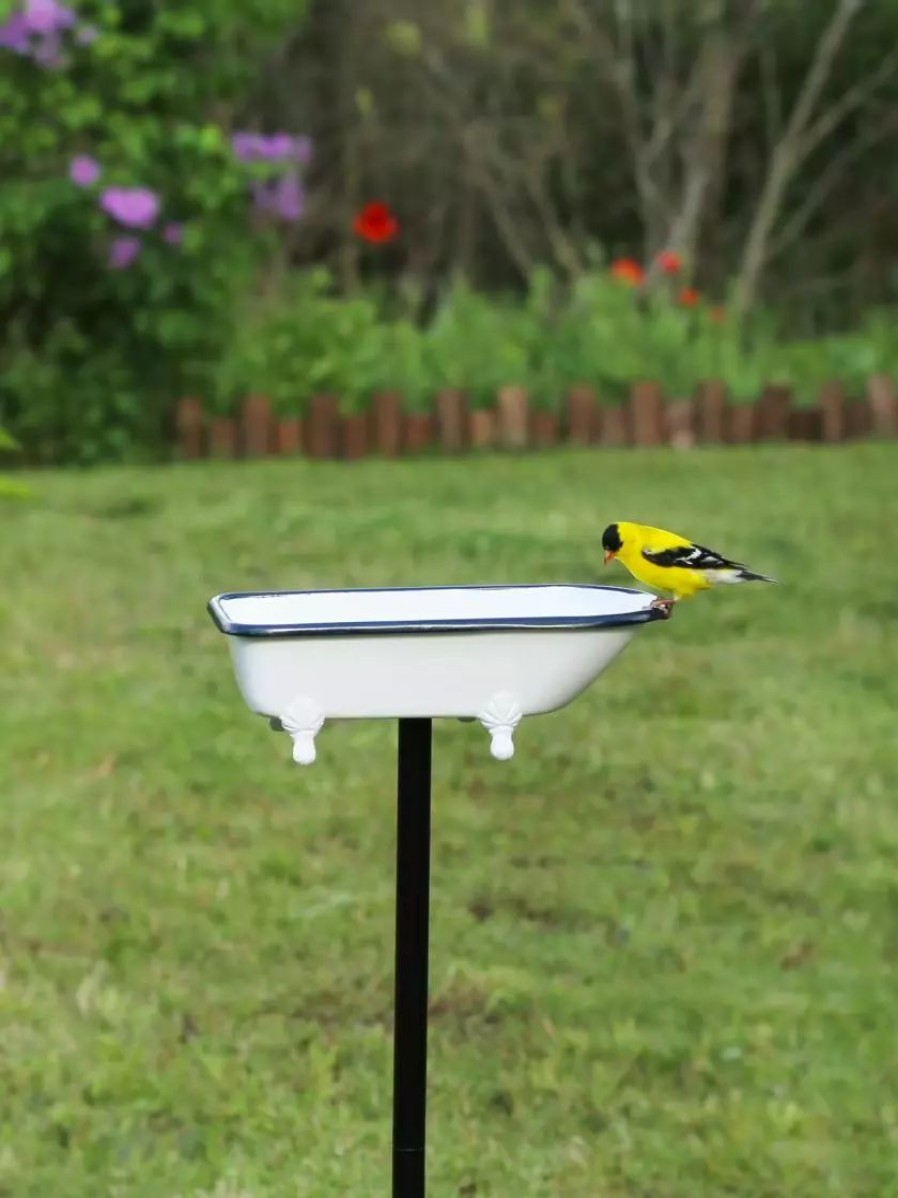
(452,426)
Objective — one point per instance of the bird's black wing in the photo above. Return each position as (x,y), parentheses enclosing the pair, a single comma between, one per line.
(689,557)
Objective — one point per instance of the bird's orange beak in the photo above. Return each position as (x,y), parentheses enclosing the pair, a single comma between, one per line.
(609,556)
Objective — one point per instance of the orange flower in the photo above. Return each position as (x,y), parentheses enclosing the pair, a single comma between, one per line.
(718,315)
(376,223)
(689,297)
(668,262)
(627,270)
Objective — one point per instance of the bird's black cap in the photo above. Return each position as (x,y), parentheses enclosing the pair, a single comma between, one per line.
(611,539)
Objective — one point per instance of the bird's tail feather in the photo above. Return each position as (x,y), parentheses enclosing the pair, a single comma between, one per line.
(751,576)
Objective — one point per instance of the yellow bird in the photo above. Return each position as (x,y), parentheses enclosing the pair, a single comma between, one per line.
(666,561)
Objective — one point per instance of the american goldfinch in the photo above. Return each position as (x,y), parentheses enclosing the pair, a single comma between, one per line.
(668,562)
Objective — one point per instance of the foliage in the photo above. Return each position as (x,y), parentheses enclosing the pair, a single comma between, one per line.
(110,310)
(457,148)
(305,340)
(599,330)
(663,959)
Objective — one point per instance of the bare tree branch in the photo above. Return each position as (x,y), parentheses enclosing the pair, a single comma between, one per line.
(563,247)
(853,99)
(506,226)
(786,155)
(817,194)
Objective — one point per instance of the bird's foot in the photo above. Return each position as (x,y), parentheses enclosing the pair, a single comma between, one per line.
(665,606)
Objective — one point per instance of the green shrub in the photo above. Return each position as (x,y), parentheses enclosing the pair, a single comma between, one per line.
(304,340)
(601,331)
(106,316)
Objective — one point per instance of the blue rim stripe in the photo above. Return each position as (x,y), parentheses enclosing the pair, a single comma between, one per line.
(386,627)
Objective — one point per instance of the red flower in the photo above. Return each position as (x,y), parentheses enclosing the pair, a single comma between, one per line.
(668,262)
(688,297)
(627,270)
(718,315)
(376,224)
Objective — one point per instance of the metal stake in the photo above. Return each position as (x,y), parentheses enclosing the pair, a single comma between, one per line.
(412,935)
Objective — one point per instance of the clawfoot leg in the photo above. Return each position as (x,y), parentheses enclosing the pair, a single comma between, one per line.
(303,721)
(500,717)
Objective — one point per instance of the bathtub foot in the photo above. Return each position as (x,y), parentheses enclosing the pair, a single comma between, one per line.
(500,717)
(303,721)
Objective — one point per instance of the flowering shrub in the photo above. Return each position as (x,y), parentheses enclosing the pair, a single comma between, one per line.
(609,329)
(130,220)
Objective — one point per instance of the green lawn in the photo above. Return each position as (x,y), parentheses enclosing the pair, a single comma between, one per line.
(665,953)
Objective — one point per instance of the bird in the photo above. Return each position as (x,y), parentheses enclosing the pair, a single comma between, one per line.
(666,561)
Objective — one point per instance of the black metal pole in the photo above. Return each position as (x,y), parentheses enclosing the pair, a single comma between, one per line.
(412,935)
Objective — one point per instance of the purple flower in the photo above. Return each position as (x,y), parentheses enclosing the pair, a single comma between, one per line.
(36,30)
(173,233)
(84,171)
(123,252)
(289,199)
(48,16)
(281,197)
(245,146)
(134,207)
(274,147)
(14,34)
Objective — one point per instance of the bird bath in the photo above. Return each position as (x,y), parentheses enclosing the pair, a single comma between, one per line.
(488,653)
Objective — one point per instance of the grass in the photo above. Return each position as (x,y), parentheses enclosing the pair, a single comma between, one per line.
(665,936)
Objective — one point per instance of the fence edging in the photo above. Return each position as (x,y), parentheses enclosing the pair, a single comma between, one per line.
(453,425)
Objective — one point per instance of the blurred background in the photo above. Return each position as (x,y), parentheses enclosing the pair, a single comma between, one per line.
(346,195)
